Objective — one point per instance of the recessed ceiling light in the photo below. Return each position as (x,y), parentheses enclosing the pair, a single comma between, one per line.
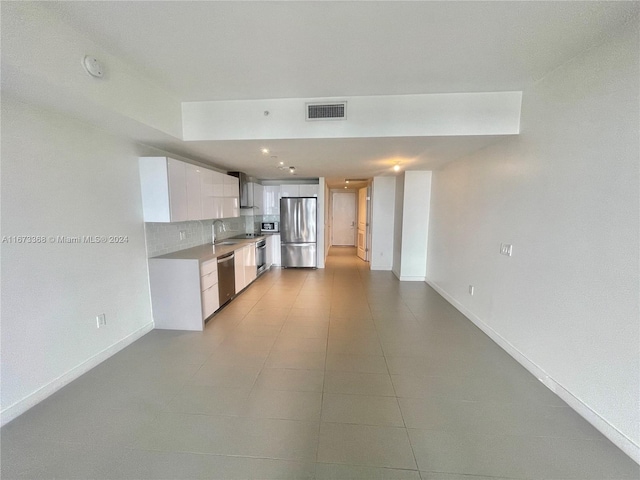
(346,181)
(345,186)
(292,169)
(265,151)
(281,163)
(396,167)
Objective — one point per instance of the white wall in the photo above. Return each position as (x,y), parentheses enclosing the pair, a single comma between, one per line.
(382,222)
(320,215)
(493,113)
(61,177)
(415,225)
(398,214)
(565,194)
(327,219)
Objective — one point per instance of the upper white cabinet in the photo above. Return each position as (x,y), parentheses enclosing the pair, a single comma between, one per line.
(218,184)
(271,200)
(164,189)
(230,207)
(177,183)
(194,192)
(289,191)
(175,191)
(258,198)
(231,186)
(207,190)
(308,190)
(303,190)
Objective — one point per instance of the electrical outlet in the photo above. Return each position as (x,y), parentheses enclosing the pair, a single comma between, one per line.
(183,234)
(101,320)
(506,249)
(471,290)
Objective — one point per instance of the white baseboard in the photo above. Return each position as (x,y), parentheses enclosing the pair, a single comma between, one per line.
(623,442)
(405,278)
(18,408)
(380,267)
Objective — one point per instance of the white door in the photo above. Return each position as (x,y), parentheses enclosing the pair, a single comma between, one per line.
(343,225)
(362,224)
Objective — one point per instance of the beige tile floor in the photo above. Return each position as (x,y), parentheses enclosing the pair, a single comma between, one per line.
(328,374)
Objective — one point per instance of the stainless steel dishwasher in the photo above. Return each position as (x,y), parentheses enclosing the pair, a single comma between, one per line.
(226,278)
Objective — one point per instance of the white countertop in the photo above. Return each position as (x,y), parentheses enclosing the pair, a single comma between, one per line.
(207,252)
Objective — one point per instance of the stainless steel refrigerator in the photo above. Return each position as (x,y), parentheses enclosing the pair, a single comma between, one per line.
(298,227)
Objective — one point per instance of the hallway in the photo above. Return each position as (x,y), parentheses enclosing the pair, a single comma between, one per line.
(328,374)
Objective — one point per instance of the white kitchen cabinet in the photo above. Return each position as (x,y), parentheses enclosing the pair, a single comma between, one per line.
(231,186)
(289,191)
(275,252)
(209,288)
(218,184)
(269,251)
(239,269)
(183,292)
(308,190)
(163,186)
(271,200)
(194,192)
(207,190)
(231,199)
(175,191)
(258,199)
(250,267)
(230,207)
(245,266)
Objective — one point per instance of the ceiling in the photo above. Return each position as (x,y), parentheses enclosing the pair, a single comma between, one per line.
(209,50)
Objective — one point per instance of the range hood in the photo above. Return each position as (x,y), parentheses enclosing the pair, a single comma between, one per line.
(246,189)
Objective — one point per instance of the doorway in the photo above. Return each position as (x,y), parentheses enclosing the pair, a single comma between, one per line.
(363,222)
(343,213)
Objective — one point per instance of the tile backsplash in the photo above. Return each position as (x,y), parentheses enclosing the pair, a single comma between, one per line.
(165,238)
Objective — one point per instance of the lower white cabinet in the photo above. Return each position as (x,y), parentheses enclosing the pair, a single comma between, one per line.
(183,292)
(269,251)
(275,250)
(209,287)
(245,266)
(239,269)
(250,267)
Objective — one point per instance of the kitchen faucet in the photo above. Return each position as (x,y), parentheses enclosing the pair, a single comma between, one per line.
(213,230)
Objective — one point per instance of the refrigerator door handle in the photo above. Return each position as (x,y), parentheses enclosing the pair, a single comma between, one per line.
(297,244)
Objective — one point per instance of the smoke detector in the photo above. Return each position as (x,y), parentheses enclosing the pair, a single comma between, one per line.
(93,66)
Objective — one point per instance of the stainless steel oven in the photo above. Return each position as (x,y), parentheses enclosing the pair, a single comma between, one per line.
(261,255)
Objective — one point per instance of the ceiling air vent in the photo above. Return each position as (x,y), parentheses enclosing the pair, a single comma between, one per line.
(327,111)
